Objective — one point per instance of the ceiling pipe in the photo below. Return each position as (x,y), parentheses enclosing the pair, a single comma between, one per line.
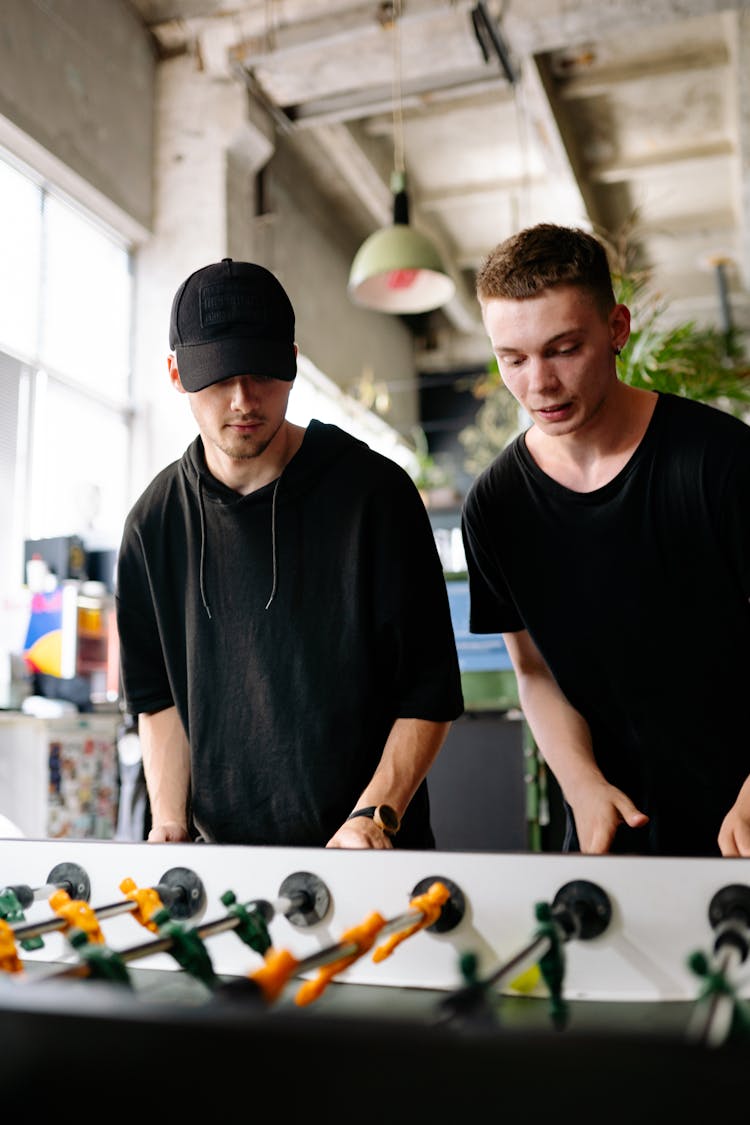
(488,35)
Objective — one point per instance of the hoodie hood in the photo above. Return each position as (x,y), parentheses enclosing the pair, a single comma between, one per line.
(322,445)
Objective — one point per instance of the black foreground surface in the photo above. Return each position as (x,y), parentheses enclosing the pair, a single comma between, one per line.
(359,1053)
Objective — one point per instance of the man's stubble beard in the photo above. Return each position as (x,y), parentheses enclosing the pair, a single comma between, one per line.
(246,449)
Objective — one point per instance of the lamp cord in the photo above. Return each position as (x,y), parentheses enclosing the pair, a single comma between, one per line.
(398,120)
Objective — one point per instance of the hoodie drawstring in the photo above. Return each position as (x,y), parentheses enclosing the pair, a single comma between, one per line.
(273,541)
(203,547)
(201,579)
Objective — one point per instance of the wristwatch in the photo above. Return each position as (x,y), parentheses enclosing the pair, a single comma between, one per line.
(385,817)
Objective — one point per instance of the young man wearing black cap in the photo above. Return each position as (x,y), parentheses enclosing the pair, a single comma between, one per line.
(284,626)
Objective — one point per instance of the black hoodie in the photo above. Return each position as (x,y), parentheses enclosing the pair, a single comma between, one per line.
(290,628)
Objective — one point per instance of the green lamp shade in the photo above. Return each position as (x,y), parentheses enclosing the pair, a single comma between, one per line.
(398,270)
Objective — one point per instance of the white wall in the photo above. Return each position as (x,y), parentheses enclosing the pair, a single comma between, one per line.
(77,77)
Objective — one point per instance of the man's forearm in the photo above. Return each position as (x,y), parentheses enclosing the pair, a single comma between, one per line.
(166,765)
(410,750)
(560,732)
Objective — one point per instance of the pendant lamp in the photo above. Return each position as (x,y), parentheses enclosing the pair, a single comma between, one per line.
(397,269)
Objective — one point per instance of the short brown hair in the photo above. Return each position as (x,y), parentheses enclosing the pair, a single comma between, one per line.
(542,257)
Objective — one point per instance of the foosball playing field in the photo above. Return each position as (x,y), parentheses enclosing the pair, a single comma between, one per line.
(374,985)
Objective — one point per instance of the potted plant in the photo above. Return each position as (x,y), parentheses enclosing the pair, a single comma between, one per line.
(435,482)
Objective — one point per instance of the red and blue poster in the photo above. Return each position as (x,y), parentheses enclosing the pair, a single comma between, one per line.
(43,645)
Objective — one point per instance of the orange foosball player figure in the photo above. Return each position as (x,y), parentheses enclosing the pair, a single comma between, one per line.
(278,966)
(362,937)
(148,903)
(10,962)
(77,914)
(428,907)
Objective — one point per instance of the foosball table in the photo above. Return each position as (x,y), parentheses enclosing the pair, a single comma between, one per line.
(378,984)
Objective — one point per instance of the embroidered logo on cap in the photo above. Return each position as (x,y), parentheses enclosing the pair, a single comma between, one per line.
(221,303)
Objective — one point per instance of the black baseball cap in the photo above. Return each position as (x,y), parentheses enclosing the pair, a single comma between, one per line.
(232,318)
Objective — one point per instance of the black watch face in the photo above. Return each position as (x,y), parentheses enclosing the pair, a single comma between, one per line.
(389,818)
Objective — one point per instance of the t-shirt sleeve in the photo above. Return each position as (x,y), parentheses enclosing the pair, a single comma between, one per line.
(732,504)
(144,679)
(413,611)
(491,606)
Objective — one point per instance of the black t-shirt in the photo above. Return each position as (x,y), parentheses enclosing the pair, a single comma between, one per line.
(636,594)
(290,628)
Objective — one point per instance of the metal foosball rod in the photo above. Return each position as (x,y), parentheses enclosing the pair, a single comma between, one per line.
(68,877)
(16,898)
(179,890)
(580,910)
(435,904)
(80,924)
(81,927)
(717,1013)
(438,908)
(303,899)
(186,944)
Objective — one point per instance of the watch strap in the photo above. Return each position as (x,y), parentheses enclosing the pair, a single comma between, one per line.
(385,817)
(368,811)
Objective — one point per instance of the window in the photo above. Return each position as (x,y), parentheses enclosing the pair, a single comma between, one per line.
(65,332)
(20,254)
(77,486)
(85,306)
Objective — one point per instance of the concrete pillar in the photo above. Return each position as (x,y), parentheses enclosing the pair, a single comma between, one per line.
(200,122)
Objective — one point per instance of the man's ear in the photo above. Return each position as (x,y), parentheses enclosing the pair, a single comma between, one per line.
(619,326)
(174,374)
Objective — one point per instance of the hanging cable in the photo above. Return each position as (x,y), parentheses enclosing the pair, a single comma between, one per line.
(399,163)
